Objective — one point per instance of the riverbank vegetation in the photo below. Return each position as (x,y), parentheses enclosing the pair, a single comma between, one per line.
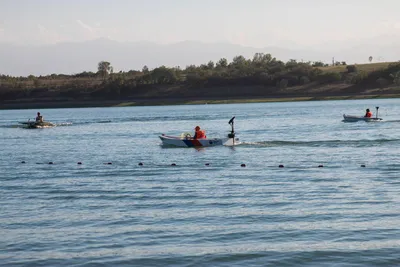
(259,77)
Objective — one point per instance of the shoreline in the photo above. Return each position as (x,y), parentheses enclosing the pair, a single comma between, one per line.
(180,101)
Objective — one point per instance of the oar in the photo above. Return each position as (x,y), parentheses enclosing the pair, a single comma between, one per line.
(377,111)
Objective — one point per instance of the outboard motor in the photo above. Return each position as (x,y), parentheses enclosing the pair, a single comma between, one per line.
(232,133)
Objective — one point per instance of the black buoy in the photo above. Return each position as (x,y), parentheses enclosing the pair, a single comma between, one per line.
(79,163)
(320,166)
(23,162)
(207,164)
(140,164)
(173,164)
(50,162)
(281,166)
(243,165)
(362,166)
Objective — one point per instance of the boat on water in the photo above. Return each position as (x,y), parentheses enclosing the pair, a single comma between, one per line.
(37,125)
(352,118)
(186,140)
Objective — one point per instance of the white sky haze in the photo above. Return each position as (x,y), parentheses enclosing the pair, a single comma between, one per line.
(256,23)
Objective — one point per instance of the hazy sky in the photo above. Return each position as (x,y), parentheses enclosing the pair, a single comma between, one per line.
(255,23)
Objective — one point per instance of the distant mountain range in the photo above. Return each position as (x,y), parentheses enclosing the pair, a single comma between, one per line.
(70,58)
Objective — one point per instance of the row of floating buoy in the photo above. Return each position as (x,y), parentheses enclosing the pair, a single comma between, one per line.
(174,164)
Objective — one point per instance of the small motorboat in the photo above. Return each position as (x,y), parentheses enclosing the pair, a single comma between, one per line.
(352,118)
(35,125)
(186,140)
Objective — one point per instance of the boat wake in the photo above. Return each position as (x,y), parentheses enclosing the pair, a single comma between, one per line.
(54,124)
(23,125)
(64,124)
(391,121)
(321,143)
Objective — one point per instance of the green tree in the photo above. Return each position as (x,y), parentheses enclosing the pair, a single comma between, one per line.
(318,64)
(282,84)
(382,82)
(36,82)
(261,59)
(104,68)
(191,68)
(291,63)
(396,78)
(239,61)
(222,63)
(145,69)
(329,77)
(164,75)
(351,68)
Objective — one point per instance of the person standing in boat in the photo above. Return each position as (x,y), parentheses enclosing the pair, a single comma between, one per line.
(39,118)
(199,134)
(368,114)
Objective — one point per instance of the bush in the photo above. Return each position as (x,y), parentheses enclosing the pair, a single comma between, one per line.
(351,68)
(382,82)
(396,78)
(318,64)
(282,84)
(329,77)
(195,80)
(304,80)
(356,77)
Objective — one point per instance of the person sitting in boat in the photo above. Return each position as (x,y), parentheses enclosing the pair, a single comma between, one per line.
(199,134)
(39,118)
(368,114)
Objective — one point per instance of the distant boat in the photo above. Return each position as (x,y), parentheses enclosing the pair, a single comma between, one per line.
(352,118)
(36,125)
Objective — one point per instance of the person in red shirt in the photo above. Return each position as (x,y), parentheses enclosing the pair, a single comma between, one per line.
(368,114)
(199,134)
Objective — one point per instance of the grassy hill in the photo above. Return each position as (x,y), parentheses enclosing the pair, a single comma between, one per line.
(261,79)
(370,67)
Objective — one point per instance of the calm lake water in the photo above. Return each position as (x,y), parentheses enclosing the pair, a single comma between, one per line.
(193,214)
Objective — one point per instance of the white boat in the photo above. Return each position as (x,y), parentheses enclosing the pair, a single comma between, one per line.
(185,140)
(35,125)
(352,118)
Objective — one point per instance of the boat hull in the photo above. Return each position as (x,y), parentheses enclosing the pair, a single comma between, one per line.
(189,142)
(37,125)
(351,118)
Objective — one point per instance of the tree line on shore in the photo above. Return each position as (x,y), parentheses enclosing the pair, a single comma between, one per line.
(262,70)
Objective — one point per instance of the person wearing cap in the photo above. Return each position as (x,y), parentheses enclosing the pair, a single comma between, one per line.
(199,134)
(368,114)
(39,118)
